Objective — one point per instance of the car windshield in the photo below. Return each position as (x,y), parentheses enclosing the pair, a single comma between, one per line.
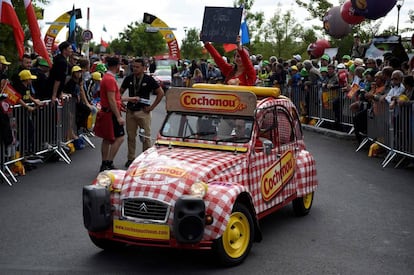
(218,128)
(162,72)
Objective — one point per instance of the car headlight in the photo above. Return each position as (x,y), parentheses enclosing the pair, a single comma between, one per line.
(199,189)
(105,179)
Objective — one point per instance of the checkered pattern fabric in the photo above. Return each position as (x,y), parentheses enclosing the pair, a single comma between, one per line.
(165,173)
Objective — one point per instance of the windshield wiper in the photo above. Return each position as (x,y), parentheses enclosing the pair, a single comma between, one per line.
(199,134)
(233,139)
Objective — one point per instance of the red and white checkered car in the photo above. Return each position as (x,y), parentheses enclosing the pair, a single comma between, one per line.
(225,157)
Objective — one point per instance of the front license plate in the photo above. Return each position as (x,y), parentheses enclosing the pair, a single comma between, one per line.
(141,230)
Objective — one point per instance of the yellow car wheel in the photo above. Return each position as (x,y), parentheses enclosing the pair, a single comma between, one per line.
(302,205)
(236,241)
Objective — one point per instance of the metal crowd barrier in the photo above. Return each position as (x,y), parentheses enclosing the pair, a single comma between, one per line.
(48,129)
(392,129)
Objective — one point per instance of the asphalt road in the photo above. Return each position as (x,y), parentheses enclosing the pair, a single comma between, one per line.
(361,223)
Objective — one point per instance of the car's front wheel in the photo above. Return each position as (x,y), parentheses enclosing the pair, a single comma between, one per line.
(302,205)
(235,243)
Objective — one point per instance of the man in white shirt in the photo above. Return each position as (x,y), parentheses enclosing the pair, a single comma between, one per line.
(397,88)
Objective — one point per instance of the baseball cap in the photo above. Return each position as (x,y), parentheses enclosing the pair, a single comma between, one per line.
(346,57)
(101,68)
(304,72)
(323,69)
(76,69)
(265,62)
(294,68)
(43,62)
(341,66)
(297,57)
(3,60)
(26,75)
(325,57)
(96,76)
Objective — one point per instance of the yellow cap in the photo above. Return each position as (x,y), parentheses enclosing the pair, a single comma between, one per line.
(26,75)
(96,76)
(294,68)
(3,60)
(76,69)
(403,97)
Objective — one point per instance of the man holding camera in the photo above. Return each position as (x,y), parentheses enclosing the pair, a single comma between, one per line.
(139,106)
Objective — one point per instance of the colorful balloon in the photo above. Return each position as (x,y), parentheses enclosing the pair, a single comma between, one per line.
(348,14)
(373,9)
(317,49)
(334,25)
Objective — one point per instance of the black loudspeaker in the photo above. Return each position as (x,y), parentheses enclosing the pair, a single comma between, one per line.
(189,219)
(96,208)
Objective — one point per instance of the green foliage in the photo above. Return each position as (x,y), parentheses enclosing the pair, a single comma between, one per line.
(134,40)
(191,47)
(256,20)
(316,8)
(283,33)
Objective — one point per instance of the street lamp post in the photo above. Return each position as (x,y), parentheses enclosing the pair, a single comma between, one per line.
(399,5)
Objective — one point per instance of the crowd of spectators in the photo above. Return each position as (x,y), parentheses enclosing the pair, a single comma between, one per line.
(363,80)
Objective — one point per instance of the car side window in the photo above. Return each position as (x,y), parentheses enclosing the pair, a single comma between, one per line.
(285,127)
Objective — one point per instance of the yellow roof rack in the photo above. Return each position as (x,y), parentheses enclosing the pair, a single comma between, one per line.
(257,90)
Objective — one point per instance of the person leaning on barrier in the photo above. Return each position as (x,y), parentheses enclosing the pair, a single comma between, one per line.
(407,97)
(332,81)
(41,70)
(58,72)
(139,107)
(25,88)
(75,88)
(375,93)
(397,88)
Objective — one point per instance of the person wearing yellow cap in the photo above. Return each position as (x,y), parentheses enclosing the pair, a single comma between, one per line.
(29,101)
(294,83)
(4,65)
(75,88)
(25,88)
(93,86)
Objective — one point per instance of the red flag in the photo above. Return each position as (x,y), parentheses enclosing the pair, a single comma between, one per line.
(104,44)
(38,43)
(229,47)
(8,16)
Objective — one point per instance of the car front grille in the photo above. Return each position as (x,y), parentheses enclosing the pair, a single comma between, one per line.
(145,209)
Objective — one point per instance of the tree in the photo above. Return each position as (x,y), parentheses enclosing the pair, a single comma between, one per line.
(281,31)
(191,47)
(254,20)
(7,44)
(134,40)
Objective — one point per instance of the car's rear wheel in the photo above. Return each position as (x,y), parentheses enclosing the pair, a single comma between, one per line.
(302,205)
(235,243)
(106,244)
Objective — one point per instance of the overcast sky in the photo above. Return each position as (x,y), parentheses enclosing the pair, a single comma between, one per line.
(116,15)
